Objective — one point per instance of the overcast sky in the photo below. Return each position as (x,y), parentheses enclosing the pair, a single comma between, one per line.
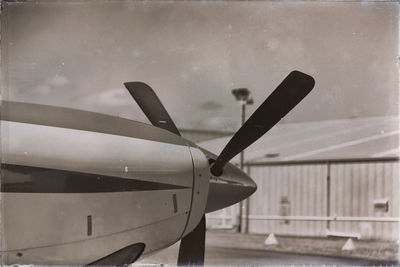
(78,54)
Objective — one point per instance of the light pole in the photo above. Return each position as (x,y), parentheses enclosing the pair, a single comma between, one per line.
(242,95)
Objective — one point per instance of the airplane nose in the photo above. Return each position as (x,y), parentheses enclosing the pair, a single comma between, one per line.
(231,187)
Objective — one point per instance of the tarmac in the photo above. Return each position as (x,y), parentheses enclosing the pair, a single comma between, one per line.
(326,246)
(228,248)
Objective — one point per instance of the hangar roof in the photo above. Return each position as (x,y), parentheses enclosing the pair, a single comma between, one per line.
(331,139)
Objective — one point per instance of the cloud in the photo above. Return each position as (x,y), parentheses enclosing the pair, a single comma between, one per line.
(58,80)
(216,123)
(51,83)
(273,44)
(210,105)
(43,89)
(111,98)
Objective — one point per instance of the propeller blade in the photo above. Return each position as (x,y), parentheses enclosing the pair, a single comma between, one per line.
(151,106)
(191,250)
(283,99)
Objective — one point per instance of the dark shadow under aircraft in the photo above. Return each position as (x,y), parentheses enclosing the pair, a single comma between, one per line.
(83,188)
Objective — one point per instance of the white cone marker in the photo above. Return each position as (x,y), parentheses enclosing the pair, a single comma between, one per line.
(349,245)
(271,240)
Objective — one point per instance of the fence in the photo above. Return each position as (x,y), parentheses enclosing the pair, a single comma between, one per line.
(309,198)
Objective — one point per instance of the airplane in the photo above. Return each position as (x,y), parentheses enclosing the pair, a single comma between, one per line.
(83,188)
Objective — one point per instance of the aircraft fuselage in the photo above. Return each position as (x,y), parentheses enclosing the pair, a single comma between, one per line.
(77,185)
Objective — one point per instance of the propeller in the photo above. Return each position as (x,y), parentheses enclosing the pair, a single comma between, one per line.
(283,99)
(151,106)
(191,250)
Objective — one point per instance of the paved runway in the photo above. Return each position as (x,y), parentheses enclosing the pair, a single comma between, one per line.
(228,256)
(245,257)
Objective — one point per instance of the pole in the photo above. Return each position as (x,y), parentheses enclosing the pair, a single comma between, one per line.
(241,167)
(328,195)
(247,207)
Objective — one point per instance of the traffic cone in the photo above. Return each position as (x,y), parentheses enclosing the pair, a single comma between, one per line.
(349,245)
(271,240)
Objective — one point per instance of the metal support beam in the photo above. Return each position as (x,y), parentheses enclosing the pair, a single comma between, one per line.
(315,218)
(323,218)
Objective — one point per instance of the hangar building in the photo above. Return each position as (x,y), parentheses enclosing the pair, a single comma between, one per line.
(336,177)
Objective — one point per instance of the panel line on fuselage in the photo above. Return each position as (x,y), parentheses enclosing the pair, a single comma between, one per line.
(28,179)
(191,200)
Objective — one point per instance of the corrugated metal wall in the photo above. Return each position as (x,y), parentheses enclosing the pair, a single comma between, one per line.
(354,189)
(303,186)
(301,189)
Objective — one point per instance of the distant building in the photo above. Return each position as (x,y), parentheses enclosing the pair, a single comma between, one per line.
(322,178)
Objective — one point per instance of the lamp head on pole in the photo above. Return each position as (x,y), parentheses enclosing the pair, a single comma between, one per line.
(242,95)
